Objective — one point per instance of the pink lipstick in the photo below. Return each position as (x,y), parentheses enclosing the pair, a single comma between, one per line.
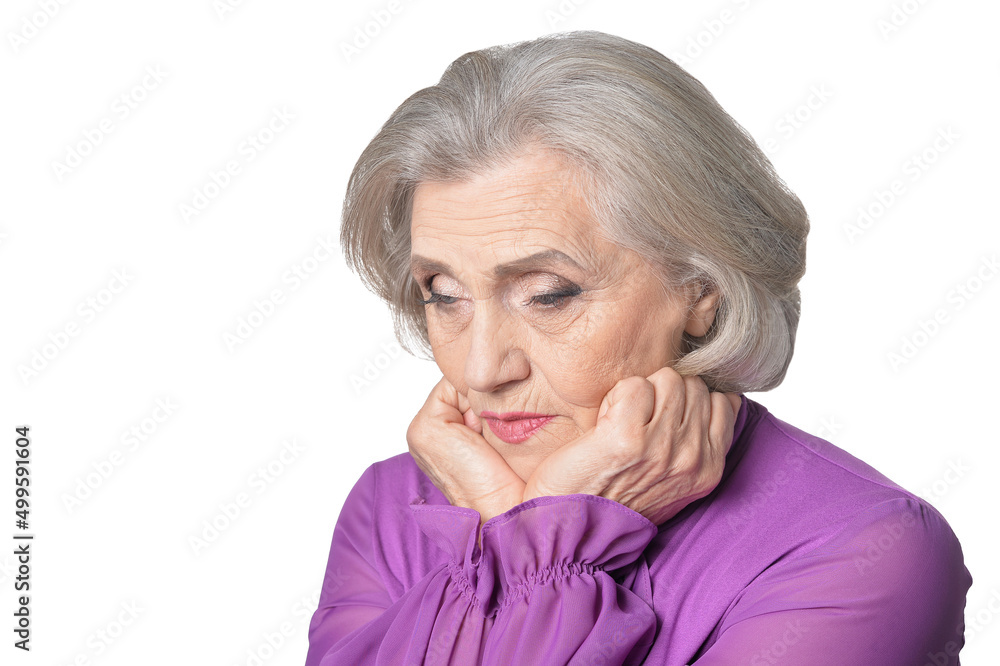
(514,427)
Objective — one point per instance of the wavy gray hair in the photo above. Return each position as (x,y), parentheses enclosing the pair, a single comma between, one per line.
(668,173)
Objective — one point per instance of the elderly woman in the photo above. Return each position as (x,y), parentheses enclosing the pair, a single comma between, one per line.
(601,261)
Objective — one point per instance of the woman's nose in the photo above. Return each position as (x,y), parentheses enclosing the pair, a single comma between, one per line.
(496,356)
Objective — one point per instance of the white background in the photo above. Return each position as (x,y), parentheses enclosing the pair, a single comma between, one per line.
(879,97)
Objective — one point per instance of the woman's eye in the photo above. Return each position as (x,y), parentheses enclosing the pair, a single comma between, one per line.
(438,298)
(554,299)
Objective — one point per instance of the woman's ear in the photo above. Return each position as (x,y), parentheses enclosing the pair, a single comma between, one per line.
(702,311)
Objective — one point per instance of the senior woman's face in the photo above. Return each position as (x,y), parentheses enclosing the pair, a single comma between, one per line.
(536,312)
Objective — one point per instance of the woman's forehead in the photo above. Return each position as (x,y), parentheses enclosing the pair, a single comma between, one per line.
(536,193)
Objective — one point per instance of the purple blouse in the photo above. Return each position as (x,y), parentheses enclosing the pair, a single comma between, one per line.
(802,555)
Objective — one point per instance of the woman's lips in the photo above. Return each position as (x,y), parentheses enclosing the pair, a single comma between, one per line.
(514,427)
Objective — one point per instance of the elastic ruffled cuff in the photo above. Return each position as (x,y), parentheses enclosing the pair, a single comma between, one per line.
(533,543)
(555,537)
(453,529)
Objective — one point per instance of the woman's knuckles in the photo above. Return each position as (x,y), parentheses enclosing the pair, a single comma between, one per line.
(619,446)
(668,375)
(688,459)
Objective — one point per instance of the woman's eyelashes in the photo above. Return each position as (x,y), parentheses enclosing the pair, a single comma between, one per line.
(552,300)
(555,299)
(438,298)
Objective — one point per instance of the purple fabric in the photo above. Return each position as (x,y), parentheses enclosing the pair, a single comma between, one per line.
(803,555)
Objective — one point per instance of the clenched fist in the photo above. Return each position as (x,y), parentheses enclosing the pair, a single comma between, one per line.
(659,444)
(446,441)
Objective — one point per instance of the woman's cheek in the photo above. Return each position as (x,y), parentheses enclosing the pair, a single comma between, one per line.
(448,356)
(580,378)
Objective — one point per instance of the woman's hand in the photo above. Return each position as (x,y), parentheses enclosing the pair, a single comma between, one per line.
(446,441)
(659,444)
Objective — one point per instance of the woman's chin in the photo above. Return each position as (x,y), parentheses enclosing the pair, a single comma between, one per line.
(524,457)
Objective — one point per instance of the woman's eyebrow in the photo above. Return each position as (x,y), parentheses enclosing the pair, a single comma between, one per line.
(538,260)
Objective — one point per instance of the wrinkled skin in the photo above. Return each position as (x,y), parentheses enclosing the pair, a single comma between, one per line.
(589,340)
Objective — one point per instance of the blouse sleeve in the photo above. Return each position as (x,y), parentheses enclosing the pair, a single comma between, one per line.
(558,602)
(352,594)
(539,591)
(889,589)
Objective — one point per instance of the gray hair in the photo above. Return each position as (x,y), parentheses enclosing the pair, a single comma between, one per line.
(670,175)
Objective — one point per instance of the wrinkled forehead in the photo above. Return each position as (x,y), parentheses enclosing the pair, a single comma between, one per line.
(533,198)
